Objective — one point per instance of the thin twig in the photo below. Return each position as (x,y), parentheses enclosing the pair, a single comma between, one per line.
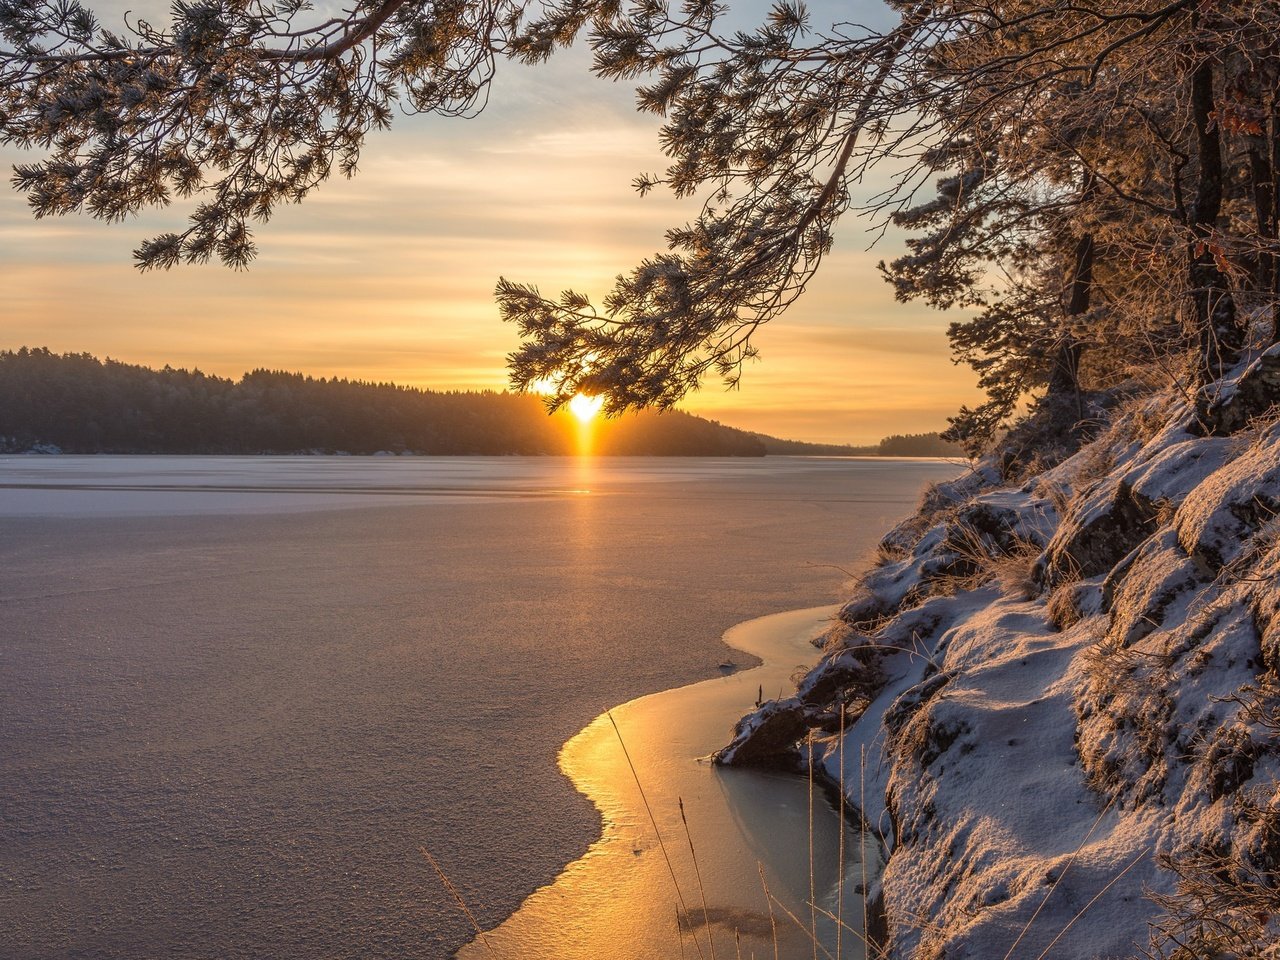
(1096,897)
(448,885)
(653,820)
(768,899)
(831,916)
(1072,859)
(840,874)
(862,836)
(706,916)
(861,581)
(813,913)
(794,919)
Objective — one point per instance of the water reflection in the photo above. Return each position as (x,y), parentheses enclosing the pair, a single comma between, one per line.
(742,832)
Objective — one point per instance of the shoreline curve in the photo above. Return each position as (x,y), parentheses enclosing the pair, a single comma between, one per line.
(718,830)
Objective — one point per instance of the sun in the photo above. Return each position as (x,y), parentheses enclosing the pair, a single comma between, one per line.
(585,407)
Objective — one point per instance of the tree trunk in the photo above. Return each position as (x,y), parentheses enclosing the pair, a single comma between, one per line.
(1215,311)
(1066,365)
(1262,185)
(1264,154)
(1275,216)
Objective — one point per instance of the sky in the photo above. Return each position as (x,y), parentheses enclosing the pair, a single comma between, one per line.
(390,276)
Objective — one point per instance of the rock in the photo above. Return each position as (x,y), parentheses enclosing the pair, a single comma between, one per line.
(1216,525)
(1224,408)
(1140,592)
(1073,602)
(1095,537)
(909,703)
(767,737)
(855,672)
(1174,471)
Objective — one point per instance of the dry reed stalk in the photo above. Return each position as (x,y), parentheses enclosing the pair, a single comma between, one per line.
(1070,861)
(791,916)
(656,832)
(840,866)
(813,913)
(768,899)
(448,885)
(1096,897)
(862,840)
(706,914)
(831,916)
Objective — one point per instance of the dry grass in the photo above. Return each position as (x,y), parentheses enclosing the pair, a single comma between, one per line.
(1095,462)
(1227,902)
(1124,700)
(1011,565)
(1057,494)
(1063,607)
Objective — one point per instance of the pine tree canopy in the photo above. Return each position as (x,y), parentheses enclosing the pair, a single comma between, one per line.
(1094,184)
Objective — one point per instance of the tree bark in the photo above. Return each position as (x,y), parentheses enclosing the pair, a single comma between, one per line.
(1261,185)
(1066,365)
(1275,216)
(1264,154)
(1215,311)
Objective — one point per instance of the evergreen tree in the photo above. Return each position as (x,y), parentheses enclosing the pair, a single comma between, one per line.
(1107,174)
(83,405)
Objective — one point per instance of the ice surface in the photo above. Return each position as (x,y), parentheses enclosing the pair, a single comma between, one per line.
(619,899)
(227,730)
(170,485)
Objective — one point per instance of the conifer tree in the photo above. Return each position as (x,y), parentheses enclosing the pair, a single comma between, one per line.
(1108,173)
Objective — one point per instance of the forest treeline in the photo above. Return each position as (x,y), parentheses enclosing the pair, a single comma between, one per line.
(897,445)
(81,404)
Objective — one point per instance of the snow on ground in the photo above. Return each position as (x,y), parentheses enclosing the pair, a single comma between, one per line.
(1060,701)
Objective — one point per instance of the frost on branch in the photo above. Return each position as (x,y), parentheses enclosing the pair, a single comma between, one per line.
(241,106)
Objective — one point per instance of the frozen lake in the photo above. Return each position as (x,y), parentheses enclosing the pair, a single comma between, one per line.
(238,694)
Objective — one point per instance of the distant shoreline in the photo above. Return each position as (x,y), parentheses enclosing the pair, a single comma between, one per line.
(77,404)
(410,455)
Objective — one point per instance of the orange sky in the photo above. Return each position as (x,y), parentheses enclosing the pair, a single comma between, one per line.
(390,276)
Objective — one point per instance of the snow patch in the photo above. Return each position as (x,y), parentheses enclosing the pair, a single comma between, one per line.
(1082,758)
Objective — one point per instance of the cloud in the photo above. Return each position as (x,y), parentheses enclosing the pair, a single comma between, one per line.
(390,276)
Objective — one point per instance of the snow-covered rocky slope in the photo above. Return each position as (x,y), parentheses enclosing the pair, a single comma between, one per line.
(1061,698)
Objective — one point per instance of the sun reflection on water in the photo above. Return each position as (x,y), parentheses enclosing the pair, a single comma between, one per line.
(585,410)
